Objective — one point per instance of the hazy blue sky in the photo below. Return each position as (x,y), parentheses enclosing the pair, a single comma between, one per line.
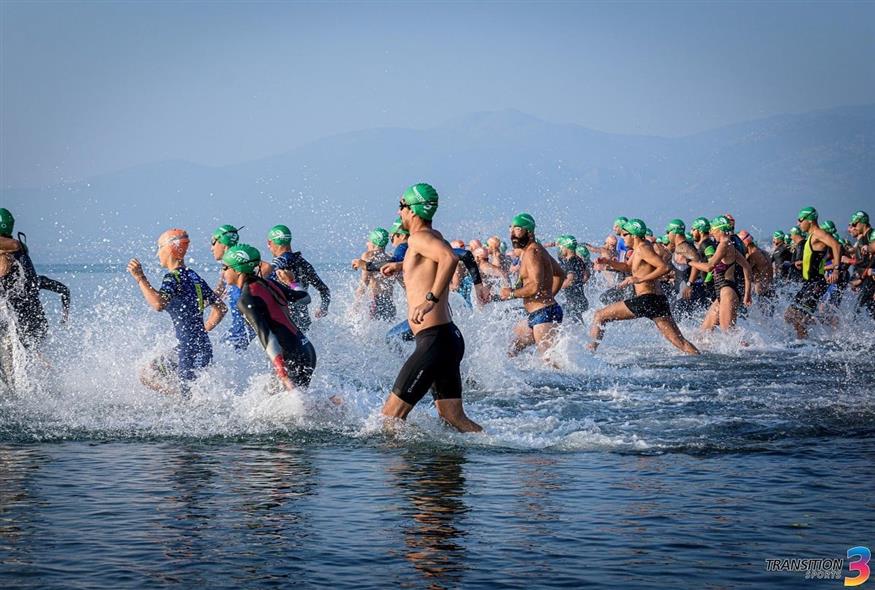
(91,87)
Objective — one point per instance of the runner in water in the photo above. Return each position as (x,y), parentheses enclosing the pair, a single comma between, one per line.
(782,256)
(428,268)
(265,305)
(239,334)
(576,276)
(20,286)
(797,243)
(762,274)
(645,268)
(814,283)
(684,252)
(723,263)
(540,279)
(184,295)
(381,305)
(865,281)
(288,267)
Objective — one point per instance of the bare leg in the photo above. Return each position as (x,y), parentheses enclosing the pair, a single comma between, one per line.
(728,308)
(712,316)
(395,407)
(545,337)
(612,313)
(798,320)
(673,334)
(523,338)
(152,376)
(452,412)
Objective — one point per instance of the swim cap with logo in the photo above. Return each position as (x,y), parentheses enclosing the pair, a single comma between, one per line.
(779,235)
(280,235)
(858,217)
(701,224)
(583,252)
(422,199)
(675,226)
(226,234)
(525,221)
(243,258)
(379,237)
(721,223)
(567,241)
(7,222)
(398,229)
(176,240)
(618,222)
(635,227)
(828,226)
(807,214)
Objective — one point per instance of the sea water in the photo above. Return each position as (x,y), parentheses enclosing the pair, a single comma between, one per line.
(633,467)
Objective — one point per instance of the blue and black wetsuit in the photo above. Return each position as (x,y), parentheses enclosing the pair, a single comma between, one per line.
(305,275)
(265,305)
(239,334)
(187,295)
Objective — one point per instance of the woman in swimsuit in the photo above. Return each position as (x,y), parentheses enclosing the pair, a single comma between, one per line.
(724,265)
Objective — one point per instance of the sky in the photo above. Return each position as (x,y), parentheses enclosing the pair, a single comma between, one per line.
(88,88)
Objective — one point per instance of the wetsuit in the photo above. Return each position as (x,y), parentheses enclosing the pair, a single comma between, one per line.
(382,306)
(47,284)
(793,273)
(187,295)
(702,291)
(866,299)
(782,260)
(265,305)
(434,365)
(814,284)
(21,289)
(576,302)
(304,274)
(239,334)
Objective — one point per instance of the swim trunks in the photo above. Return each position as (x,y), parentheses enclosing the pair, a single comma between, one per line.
(546,315)
(650,305)
(433,364)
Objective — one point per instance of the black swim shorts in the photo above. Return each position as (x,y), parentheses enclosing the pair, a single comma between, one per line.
(649,305)
(809,295)
(434,363)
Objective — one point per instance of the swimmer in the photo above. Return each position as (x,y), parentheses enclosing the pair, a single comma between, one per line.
(577,274)
(381,305)
(239,334)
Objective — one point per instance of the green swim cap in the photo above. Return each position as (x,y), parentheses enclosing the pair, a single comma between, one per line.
(648,232)
(779,235)
(567,241)
(280,235)
(663,240)
(379,237)
(807,214)
(243,258)
(635,227)
(583,252)
(828,226)
(721,223)
(226,234)
(858,217)
(398,229)
(422,199)
(7,222)
(620,221)
(689,237)
(871,237)
(675,226)
(787,239)
(701,224)
(502,247)
(525,221)
(795,231)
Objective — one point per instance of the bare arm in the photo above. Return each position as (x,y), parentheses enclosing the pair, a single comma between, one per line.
(9,244)
(748,276)
(155,300)
(655,260)
(719,253)
(558,275)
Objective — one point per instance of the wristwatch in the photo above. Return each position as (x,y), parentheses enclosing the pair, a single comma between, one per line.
(430,297)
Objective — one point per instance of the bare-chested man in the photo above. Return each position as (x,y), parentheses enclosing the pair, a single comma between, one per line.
(428,267)
(645,268)
(762,273)
(540,279)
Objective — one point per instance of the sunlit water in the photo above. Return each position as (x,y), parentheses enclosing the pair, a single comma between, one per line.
(634,467)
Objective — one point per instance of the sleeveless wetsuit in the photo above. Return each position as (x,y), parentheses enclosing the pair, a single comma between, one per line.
(265,305)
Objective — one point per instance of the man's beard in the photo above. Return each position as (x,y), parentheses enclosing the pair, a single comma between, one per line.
(522,241)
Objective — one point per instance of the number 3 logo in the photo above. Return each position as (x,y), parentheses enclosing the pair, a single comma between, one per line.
(861,565)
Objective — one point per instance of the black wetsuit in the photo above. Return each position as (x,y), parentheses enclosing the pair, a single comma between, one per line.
(382,306)
(576,302)
(782,260)
(265,305)
(866,299)
(304,274)
(21,289)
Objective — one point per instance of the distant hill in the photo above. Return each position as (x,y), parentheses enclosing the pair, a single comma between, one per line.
(487,167)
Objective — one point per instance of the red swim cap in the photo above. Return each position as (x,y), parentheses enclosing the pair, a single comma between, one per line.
(176,240)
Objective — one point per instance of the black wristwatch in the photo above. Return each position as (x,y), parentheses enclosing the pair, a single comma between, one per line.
(430,297)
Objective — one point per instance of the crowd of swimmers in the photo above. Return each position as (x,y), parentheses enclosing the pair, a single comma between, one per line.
(709,269)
